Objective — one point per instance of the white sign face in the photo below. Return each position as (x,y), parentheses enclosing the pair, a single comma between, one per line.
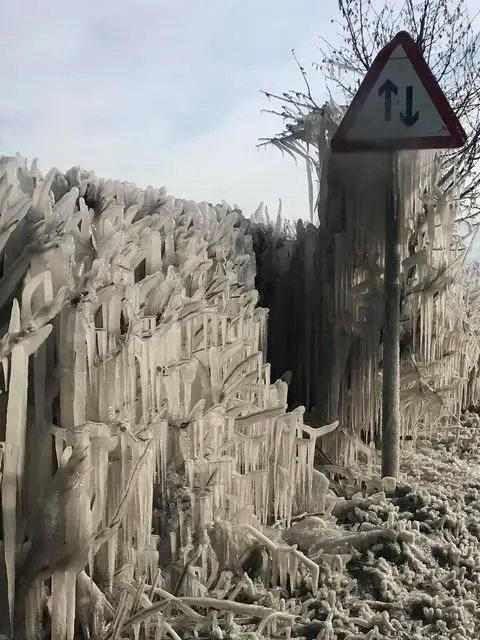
(397,106)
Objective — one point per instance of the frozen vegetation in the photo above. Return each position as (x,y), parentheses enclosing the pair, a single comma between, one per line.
(154,484)
(412,561)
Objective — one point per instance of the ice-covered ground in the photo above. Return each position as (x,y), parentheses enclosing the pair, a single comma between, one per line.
(405,567)
(421,576)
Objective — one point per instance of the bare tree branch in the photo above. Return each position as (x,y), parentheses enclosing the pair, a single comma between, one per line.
(444,32)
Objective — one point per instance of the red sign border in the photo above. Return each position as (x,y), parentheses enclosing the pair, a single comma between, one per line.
(457,136)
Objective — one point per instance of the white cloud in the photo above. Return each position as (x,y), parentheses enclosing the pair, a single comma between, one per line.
(227,165)
(158,92)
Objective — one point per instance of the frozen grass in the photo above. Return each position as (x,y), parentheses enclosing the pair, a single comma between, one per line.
(421,577)
(153,483)
(145,444)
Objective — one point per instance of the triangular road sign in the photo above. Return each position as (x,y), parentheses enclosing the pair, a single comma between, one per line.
(399,105)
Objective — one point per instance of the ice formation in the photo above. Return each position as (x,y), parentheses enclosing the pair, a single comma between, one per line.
(337,312)
(430,260)
(153,483)
(136,392)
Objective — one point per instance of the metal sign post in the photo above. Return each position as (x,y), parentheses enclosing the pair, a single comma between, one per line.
(391,329)
(399,105)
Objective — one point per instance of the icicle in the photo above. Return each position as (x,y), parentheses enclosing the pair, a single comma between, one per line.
(15,445)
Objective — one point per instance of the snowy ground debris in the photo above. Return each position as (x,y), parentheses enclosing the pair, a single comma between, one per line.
(421,577)
(405,567)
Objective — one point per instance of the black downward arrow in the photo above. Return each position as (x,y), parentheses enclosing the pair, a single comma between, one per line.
(387,89)
(409,118)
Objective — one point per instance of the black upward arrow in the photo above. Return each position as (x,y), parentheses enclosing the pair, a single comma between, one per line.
(387,89)
(409,118)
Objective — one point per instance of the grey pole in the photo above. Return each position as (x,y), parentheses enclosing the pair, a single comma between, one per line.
(391,331)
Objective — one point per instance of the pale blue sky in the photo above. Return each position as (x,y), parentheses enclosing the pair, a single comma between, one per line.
(156,91)
(160,92)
